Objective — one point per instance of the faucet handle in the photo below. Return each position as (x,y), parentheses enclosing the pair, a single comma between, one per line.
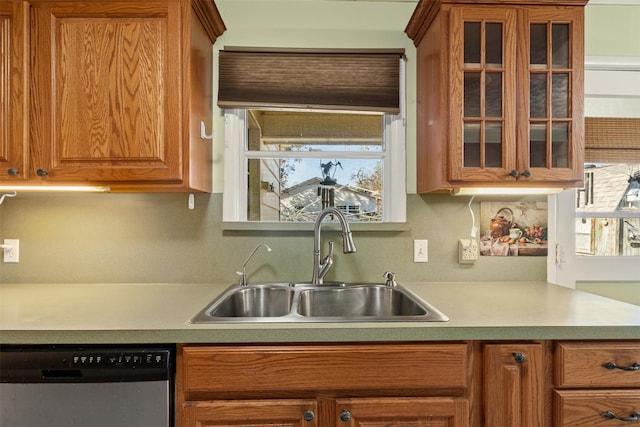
(242,281)
(330,254)
(391,278)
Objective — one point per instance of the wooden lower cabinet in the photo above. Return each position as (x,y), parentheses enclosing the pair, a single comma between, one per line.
(263,413)
(402,412)
(514,385)
(540,383)
(594,408)
(597,383)
(346,385)
(351,412)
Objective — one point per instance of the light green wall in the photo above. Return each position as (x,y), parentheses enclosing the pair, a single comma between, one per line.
(612,30)
(155,238)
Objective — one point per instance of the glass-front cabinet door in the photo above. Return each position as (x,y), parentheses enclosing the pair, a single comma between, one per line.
(513,75)
(483,87)
(551,121)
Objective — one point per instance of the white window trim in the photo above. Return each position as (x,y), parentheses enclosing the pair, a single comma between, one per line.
(394,191)
(604,77)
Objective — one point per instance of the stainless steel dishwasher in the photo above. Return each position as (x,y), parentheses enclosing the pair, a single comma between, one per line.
(105,386)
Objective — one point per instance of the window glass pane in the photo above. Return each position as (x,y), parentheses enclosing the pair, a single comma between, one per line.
(493,145)
(308,186)
(472,44)
(560,45)
(471,145)
(472,94)
(538,95)
(560,95)
(493,94)
(560,145)
(538,42)
(299,163)
(538,145)
(608,211)
(493,45)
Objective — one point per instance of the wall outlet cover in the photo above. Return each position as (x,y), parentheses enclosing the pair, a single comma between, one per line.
(467,251)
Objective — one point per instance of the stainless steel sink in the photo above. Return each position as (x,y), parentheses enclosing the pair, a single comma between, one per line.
(300,302)
(358,301)
(255,301)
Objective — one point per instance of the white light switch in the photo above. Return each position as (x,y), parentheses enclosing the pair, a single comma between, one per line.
(420,251)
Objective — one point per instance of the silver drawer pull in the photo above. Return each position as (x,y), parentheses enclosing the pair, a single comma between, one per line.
(634,418)
(611,365)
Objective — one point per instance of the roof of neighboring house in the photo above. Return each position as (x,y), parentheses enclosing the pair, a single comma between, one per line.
(610,184)
(315,182)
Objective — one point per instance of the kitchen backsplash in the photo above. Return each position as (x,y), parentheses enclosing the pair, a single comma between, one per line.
(156,238)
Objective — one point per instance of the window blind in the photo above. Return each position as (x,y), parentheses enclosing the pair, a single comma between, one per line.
(612,140)
(361,80)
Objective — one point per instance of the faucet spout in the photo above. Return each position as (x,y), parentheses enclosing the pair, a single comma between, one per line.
(322,267)
(243,273)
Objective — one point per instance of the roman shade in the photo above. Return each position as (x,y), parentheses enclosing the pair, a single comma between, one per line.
(361,80)
(612,140)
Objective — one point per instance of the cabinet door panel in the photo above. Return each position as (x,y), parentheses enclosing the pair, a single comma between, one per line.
(481,147)
(591,408)
(254,413)
(597,364)
(225,370)
(402,412)
(106,91)
(13,90)
(550,114)
(514,385)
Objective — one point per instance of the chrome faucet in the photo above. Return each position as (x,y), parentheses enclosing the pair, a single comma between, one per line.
(321,267)
(243,273)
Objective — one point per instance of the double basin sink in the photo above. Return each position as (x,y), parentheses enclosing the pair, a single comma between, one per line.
(329,302)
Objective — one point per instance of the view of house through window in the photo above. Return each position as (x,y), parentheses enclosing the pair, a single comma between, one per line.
(299,163)
(608,211)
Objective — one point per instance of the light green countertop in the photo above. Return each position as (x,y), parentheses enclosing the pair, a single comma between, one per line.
(159,313)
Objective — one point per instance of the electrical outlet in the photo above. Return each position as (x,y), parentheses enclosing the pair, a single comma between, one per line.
(11,250)
(467,251)
(420,251)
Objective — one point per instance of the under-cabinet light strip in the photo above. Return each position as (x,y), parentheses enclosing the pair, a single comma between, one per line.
(56,188)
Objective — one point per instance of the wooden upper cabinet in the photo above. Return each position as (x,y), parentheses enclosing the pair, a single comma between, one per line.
(14,81)
(118,91)
(499,94)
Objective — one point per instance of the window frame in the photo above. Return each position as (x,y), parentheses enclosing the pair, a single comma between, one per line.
(605,78)
(394,193)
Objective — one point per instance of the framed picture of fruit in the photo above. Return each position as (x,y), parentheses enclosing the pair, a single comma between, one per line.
(513,228)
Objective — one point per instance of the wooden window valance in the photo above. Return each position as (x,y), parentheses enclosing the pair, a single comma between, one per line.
(612,140)
(361,80)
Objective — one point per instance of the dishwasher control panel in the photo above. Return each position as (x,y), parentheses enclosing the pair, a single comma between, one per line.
(125,359)
(32,364)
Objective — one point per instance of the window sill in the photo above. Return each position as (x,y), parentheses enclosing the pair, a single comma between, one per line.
(308,226)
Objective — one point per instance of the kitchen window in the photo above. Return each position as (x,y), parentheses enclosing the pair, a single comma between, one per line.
(597,227)
(293,149)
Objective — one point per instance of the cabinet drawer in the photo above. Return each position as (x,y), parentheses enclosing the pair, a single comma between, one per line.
(252,370)
(582,364)
(586,408)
